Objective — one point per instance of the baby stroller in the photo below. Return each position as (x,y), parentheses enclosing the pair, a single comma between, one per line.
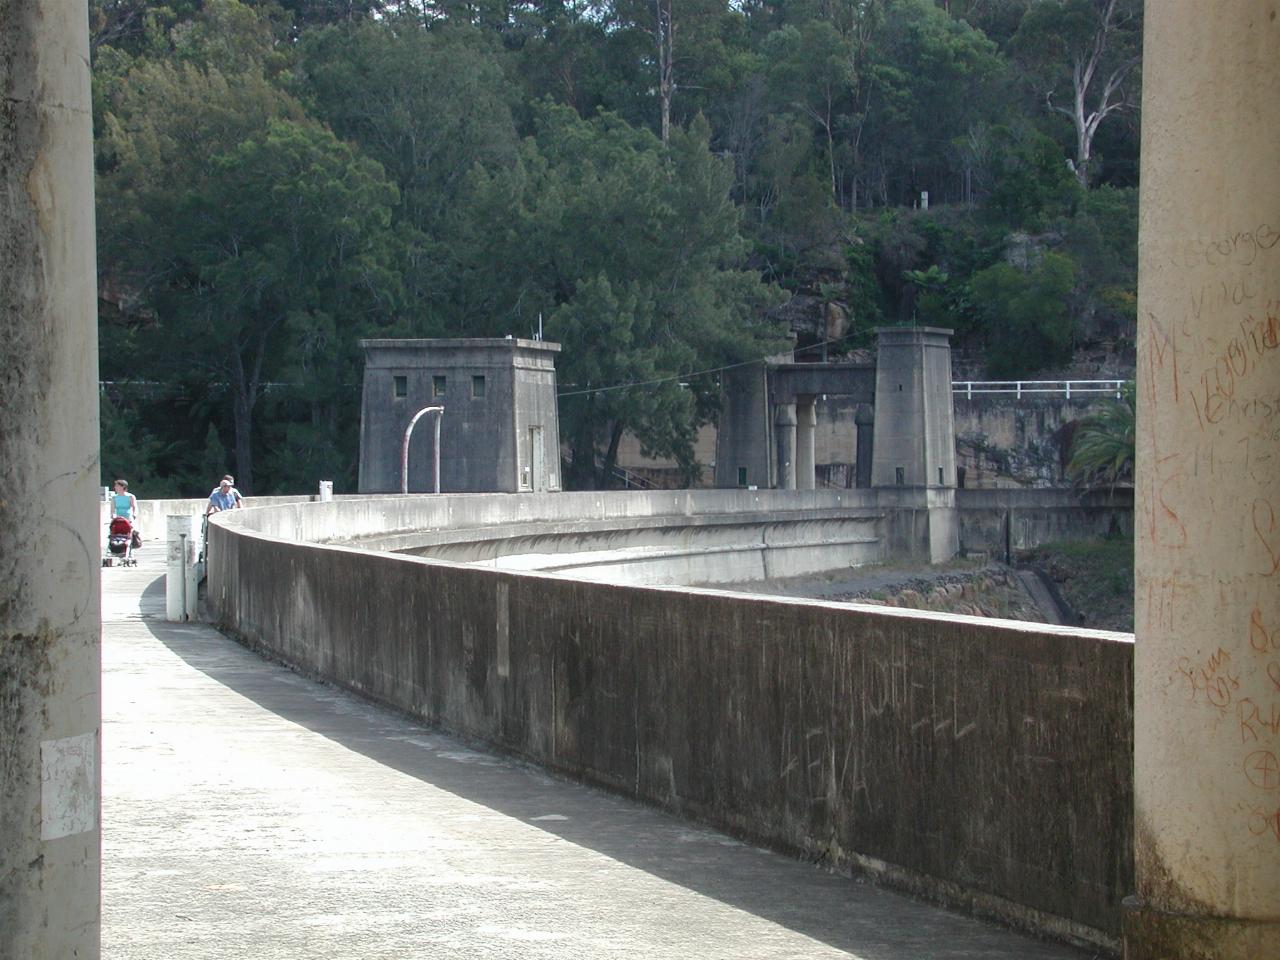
(121,542)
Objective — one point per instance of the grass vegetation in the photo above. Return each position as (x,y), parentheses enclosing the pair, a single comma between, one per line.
(1094,576)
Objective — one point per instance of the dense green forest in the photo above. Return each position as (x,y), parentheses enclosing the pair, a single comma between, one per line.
(666,187)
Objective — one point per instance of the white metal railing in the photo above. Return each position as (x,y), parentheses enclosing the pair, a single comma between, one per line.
(1019,388)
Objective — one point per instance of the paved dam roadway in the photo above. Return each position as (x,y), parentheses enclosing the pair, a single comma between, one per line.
(251,813)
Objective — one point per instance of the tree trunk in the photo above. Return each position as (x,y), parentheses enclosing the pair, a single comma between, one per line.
(611,455)
(245,386)
(582,473)
(664,30)
(242,410)
(831,159)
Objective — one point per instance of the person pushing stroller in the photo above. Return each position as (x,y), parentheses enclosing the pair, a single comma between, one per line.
(123,535)
(125,504)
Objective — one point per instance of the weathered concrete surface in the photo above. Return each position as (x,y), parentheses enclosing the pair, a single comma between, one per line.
(504,435)
(728,551)
(1003,442)
(49,841)
(915,442)
(996,521)
(984,762)
(252,813)
(1207,571)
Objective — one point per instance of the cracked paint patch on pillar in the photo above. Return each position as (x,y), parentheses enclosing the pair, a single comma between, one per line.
(68,786)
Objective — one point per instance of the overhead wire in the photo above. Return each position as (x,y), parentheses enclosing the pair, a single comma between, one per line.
(684,376)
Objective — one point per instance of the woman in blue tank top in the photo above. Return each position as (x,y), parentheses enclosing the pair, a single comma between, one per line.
(125,504)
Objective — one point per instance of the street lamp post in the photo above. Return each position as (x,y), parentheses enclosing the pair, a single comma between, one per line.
(435,454)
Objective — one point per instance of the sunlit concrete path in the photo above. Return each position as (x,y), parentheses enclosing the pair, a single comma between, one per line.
(251,813)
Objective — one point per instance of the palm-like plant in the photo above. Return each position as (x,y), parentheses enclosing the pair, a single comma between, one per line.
(1102,449)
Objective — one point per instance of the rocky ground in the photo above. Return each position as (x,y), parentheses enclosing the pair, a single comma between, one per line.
(979,589)
(1092,580)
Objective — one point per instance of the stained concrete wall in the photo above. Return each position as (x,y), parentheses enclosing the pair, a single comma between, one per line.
(485,441)
(983,763)
(995,521)
(914,432)
(744,450)
(1007,442)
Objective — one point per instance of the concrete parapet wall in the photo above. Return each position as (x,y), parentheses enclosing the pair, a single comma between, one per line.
(705,555)
(983,763)
(996,521)
(153,513)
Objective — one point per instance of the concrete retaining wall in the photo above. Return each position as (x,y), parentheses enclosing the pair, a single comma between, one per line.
(983,763)
(994,522)
(1006,442)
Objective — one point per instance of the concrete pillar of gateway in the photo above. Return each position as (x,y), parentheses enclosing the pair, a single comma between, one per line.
(784,425)
(806,428)
(49,489)
(915,438)
(1207,617)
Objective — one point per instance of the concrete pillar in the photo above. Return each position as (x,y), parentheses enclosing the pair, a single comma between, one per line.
(1207,617)
(806,427)
(865,421)
(914,422)
(181,584)
(742,445)
(784,431)
(50,563)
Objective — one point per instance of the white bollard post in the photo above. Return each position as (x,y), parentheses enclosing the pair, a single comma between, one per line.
(180,585)
(326,491)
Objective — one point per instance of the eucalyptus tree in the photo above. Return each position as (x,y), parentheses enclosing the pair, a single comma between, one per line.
(241,228)
(1084,57)
(931,79)
(632,254)
(429,106)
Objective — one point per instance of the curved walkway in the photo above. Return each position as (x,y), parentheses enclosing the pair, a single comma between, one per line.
(251,813)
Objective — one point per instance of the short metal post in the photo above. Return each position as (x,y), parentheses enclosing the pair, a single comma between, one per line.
(182,542)
(435,458)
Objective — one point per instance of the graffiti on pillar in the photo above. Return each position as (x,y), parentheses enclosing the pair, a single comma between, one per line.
(1210,437)
(1215,679)
(1240,248)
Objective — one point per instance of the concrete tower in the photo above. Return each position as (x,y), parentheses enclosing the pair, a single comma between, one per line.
(499,431)
(915,443)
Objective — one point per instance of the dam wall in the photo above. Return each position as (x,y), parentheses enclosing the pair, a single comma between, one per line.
(981,763)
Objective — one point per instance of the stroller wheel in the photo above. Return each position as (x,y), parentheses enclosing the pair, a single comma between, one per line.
(106,561)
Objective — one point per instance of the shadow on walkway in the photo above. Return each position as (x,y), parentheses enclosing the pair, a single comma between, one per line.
(845,913)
